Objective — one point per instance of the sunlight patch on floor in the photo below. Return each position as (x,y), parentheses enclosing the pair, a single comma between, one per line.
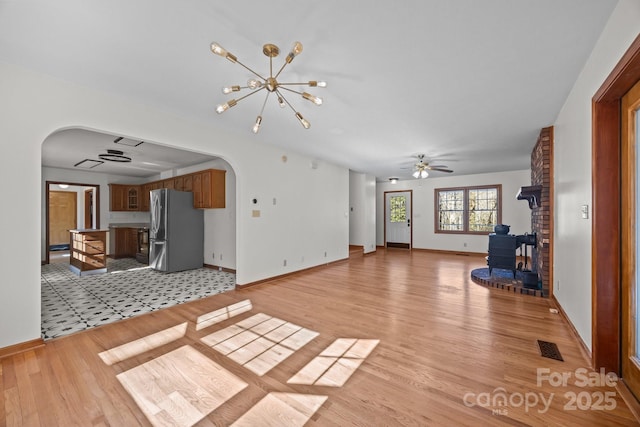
(281,409)
(181,387)
(139,346)
(223,313)
(260,342)
(335,365)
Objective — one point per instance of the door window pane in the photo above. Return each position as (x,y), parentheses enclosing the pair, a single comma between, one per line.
(398,208)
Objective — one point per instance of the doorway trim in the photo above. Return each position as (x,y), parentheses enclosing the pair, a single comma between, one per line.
(606,254)
(48,184)
(385,214)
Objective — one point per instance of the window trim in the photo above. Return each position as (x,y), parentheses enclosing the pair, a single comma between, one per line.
(465,212)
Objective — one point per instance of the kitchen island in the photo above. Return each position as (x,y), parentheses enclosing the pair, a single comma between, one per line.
(87,248)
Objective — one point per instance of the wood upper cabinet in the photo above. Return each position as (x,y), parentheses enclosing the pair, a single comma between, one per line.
(187,183)
(145,196)
(124,197)
(178,183)
(208,187)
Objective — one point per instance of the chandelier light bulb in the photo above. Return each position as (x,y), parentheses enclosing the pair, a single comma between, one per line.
(227,90)
(295,51)
(254,83)
(224,107)
(314,83)
(281,102)
(218,50)
(256,126)
(303,121)
(314,99)
(424,174)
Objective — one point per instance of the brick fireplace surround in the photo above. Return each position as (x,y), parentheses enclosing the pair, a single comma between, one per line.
(542,216)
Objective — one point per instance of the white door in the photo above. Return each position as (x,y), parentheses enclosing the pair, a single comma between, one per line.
(398,219)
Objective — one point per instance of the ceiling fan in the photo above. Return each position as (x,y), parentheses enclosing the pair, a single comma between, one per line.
(421,168)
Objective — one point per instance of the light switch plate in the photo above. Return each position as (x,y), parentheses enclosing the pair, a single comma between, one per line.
(585,211)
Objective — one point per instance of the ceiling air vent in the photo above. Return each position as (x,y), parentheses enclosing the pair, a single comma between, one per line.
(88,164)
(128,142)
(115,156)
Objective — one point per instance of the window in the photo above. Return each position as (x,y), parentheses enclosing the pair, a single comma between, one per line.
(398,208)
(468,210)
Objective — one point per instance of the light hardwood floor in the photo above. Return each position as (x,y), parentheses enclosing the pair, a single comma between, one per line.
(396,338)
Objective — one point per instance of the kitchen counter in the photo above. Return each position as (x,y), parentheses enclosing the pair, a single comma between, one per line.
(129,225)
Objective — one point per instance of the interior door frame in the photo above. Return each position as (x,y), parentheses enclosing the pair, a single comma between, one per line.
(47,185)
(88,207)
(411,213)
(606,176)
(630,366)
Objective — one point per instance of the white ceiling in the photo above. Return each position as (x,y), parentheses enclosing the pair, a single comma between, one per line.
(67,148)
(468,83)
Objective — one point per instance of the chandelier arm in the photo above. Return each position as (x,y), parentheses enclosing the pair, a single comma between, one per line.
(258,75)
(264,103)
(280,70)
(290,90)
(285,101)
(249,94)
(294,84)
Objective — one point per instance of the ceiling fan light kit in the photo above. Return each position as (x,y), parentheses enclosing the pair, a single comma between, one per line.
(271,84)
(420,169)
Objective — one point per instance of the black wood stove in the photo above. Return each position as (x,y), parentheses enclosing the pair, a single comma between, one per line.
(502,253)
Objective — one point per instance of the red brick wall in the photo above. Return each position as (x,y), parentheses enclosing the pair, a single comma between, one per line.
(541,174)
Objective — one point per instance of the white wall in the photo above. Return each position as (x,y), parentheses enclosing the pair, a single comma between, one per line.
(572,172)
(362,211)
(307,226)
(515,213)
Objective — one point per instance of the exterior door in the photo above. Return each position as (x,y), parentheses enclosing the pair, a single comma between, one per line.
(398,219)
(631,240)
(62,216)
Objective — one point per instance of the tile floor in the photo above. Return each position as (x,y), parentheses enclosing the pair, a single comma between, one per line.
(71,303)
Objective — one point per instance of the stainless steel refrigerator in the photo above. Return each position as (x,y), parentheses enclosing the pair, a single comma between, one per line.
(176,235)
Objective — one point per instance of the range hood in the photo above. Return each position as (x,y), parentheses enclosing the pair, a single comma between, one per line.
(531,194)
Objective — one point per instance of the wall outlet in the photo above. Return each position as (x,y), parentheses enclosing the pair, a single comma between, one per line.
(558,285)
(464,244)
(284,263)
(220,257)
(213,255)
(325,254)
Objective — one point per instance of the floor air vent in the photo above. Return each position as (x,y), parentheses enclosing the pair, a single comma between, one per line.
(549,350)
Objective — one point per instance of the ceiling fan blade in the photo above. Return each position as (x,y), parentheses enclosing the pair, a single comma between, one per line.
(440,169)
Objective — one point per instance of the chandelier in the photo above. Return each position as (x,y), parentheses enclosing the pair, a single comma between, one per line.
(271,83)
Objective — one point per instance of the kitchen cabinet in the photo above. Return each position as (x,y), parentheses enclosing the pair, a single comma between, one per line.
(144,197)
(87,254)
(207,186)
(209,189)
(126,242)
(124,197)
